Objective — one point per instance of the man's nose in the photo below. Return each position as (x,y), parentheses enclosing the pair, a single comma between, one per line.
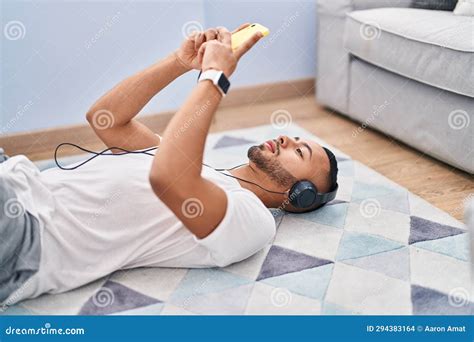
(284,141)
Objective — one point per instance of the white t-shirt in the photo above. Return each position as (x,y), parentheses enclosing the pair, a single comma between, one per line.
(104,216)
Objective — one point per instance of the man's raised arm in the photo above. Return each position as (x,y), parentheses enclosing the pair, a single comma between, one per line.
(112,116)
(176,172)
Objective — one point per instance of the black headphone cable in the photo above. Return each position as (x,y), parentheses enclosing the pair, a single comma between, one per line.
(107,152)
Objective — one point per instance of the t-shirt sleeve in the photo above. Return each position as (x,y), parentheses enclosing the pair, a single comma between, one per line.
(246,228)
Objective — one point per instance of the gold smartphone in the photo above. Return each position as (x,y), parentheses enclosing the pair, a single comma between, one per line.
(238,38)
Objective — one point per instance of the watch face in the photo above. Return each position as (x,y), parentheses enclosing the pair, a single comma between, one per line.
(223,83)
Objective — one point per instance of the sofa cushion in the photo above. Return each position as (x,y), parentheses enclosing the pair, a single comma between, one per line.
(433,47)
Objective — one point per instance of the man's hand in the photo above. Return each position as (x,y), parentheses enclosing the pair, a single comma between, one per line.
(187,54)
(217,54)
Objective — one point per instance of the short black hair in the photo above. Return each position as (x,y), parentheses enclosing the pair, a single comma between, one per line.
(332,169)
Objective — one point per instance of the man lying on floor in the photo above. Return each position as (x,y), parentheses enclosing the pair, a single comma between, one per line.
(63,229)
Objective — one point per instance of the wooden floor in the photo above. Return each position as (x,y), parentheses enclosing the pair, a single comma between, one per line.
(438,183)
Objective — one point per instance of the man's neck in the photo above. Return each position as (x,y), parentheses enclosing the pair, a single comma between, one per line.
(247,173)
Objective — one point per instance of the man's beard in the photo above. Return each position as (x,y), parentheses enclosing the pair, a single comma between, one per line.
(271,167)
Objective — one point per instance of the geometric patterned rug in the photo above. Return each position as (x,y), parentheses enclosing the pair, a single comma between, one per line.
(377,249)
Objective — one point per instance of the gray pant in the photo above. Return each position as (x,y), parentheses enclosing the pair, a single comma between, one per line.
(20,242)
(3,156)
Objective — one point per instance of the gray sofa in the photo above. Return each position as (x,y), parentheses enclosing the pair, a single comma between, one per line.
(469,219)
(405,71)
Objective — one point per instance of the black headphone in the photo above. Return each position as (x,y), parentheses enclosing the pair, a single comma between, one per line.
(303,195)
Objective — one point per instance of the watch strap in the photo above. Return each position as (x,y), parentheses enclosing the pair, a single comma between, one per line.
(217,77)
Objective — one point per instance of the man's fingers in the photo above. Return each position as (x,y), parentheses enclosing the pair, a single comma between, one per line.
(198,40)
(192,36)
(241,27)
(200,53)
(247,45)
(224,35)
(210,34)
(201,37)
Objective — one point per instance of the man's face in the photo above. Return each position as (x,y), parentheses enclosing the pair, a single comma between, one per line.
(286,160)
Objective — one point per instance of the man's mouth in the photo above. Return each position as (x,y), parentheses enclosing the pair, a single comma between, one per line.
(270,145)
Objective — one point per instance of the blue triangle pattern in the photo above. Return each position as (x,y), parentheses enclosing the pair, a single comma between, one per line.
(311,283)
(394,263)
(227,141)
(391,198)
(332,215)
(227,302)
(202,281)
(454,246)
(363,190)
(331,309)
(16,310)
(355,245)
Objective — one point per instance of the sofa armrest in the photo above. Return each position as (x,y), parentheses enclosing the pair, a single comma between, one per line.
(332,75)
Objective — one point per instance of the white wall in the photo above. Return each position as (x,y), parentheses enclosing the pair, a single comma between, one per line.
(58,57)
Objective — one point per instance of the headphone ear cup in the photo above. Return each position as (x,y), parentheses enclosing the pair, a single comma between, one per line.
(303,195)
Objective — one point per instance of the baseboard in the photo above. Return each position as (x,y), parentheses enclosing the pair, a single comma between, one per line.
(39,144)
(269,92)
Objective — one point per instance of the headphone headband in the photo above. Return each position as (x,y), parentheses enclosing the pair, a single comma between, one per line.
(328,196)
